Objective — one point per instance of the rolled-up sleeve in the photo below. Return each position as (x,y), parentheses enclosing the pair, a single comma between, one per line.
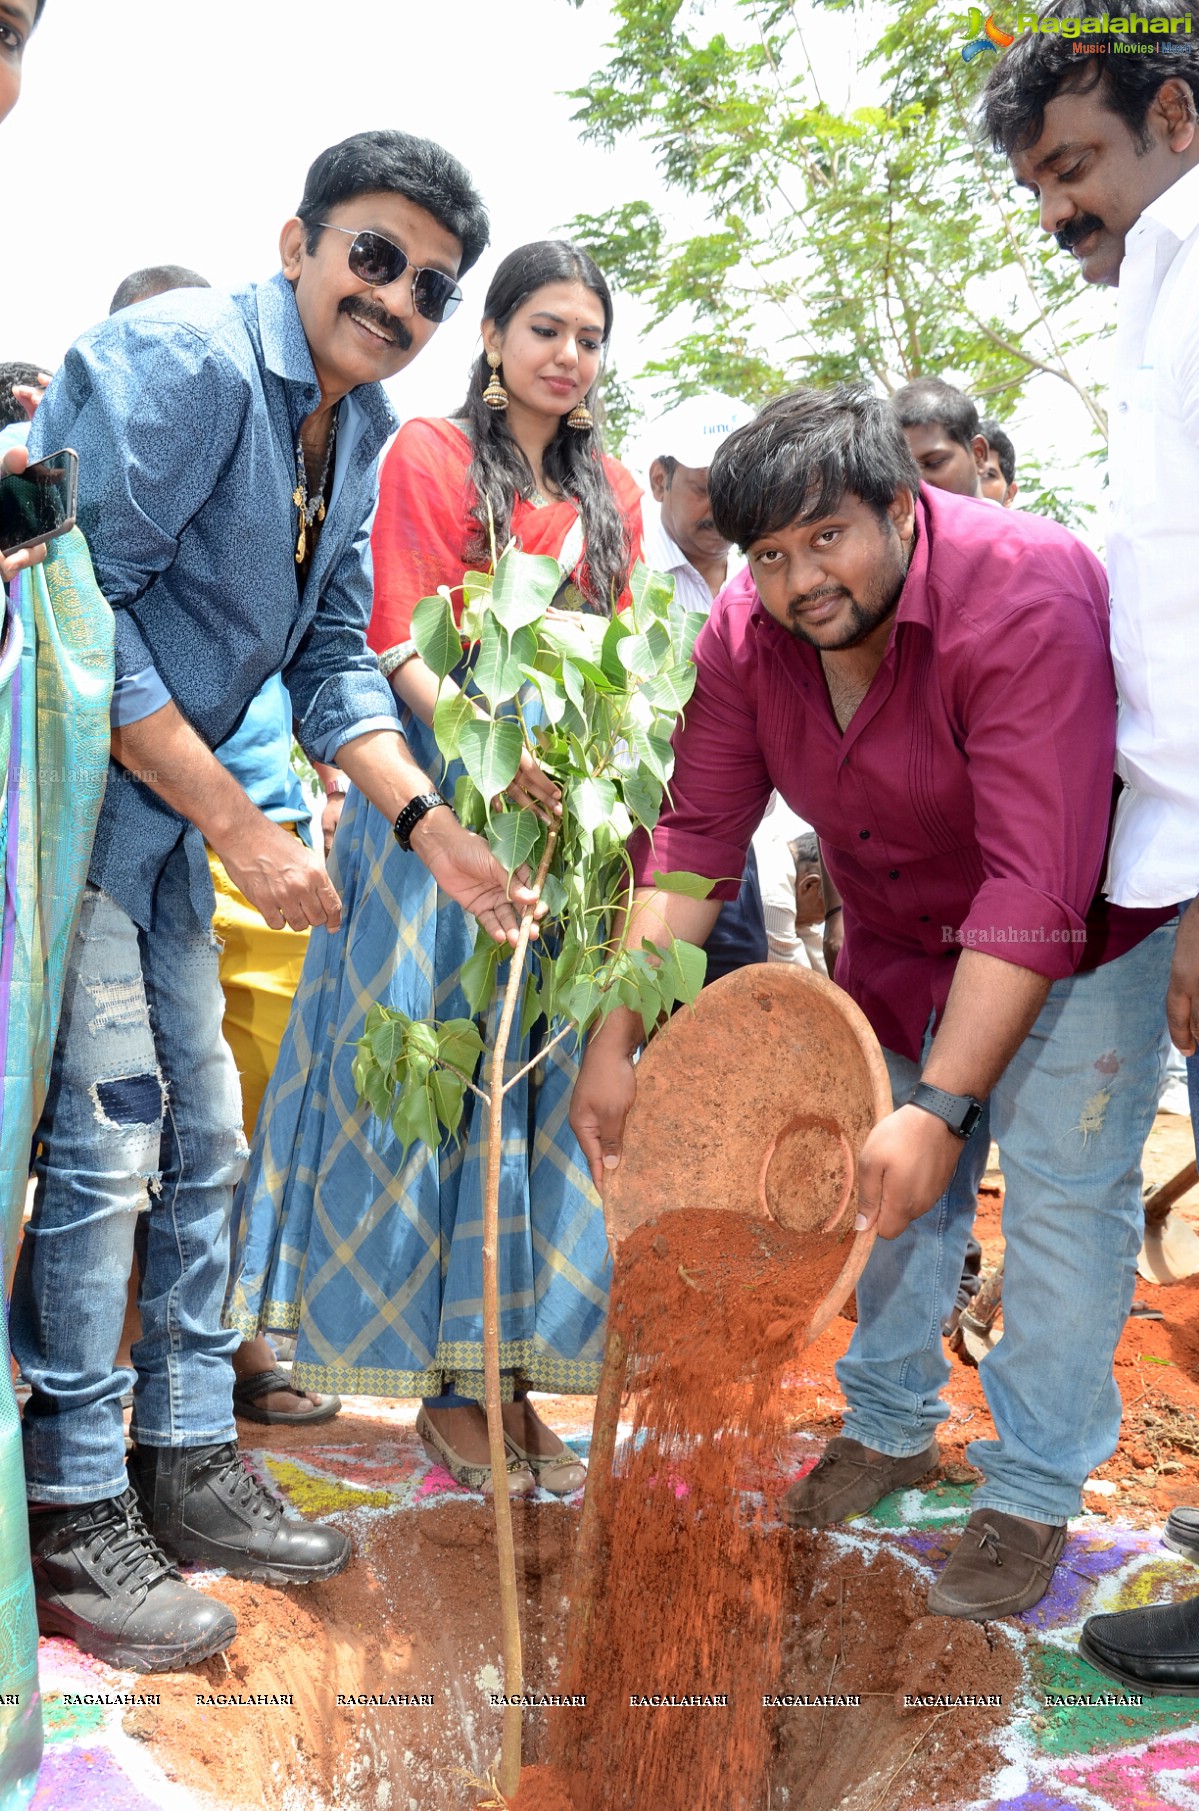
(1040,715)
(720,786)
(337,690)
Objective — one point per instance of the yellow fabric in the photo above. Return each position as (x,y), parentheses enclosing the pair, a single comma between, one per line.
(260,972)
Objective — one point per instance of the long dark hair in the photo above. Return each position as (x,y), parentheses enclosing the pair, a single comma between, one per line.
(573,464)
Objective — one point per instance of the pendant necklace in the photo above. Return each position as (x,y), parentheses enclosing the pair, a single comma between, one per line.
(312,509)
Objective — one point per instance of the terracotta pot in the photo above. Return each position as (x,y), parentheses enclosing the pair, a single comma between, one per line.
(757,1101)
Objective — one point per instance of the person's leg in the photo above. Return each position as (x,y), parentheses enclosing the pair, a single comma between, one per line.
(97,1156)
(1071,1115)
(99,1577)
(199,1501)
(896,1366)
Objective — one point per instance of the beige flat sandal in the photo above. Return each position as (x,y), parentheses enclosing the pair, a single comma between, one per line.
(560,1473)
(521,1481)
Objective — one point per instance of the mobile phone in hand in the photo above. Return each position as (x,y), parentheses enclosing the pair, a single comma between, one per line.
(40,502)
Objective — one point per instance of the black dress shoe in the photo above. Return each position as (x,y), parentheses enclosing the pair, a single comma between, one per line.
(1182,1531)
(100,1580)
(1153,1650)
(204,1508)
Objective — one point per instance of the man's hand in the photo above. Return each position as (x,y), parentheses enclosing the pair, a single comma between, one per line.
(464,867)
(15,460)
(905,1166)
(1182,995)
(603,1094)
(282,878)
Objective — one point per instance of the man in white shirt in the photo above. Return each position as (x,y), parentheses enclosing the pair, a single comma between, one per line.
(680,537)
(1109,144)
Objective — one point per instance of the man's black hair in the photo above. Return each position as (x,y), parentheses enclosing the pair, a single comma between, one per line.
(1040,64)
(155,280)
(931,402)
(398,163)
(796,461)
(41,6)
(13,373)
(1001,445)
(669,464)
(805,851)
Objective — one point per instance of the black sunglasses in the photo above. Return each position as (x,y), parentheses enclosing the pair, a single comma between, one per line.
(376,261)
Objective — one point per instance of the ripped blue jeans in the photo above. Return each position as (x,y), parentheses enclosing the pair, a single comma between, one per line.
(1070,1115)
(143,1114)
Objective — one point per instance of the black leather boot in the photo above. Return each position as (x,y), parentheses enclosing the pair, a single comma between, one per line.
(205,1509)
(101,1581)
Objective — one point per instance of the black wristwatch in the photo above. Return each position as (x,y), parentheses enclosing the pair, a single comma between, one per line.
(411,816)
(961,1112)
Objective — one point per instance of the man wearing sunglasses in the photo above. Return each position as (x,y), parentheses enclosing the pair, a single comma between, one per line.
(227,450)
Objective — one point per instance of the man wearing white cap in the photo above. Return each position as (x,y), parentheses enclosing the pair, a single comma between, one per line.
(680,536)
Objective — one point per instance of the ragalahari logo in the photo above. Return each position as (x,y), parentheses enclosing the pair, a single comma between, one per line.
(984,35)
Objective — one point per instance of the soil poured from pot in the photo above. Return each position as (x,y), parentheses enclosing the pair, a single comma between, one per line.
(683,1637)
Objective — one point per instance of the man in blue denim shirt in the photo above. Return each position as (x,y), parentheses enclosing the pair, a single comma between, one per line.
(227,476)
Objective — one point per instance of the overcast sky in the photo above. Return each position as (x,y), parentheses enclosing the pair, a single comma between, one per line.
(179,131)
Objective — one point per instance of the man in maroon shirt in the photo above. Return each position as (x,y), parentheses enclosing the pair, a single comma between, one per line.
(937,701)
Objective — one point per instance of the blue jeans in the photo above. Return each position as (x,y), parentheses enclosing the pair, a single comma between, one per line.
(143,1113)
(1070,1116)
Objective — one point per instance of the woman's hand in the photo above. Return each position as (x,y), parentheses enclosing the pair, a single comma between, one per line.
(535,791)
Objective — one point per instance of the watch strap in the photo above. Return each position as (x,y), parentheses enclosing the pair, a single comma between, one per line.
(412,814)
(961,1112)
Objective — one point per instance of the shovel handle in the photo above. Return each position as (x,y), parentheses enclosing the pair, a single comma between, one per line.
(1159,1203)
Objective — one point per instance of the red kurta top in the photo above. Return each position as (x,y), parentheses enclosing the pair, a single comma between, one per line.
(423,526)
(967,803)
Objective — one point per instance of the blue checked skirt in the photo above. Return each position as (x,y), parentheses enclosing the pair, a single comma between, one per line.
(374,1258)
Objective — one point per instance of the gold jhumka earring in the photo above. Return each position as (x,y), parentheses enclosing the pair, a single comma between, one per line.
(495,395)
(580,418)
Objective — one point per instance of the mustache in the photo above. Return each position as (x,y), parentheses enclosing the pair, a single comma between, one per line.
(359,309)
(1075,230)
(804,598)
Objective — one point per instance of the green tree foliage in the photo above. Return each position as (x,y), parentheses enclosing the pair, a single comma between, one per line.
(883,243)
(594,700)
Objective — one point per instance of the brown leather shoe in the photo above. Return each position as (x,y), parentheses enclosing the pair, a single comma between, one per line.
(1001,1565)
(848,1479)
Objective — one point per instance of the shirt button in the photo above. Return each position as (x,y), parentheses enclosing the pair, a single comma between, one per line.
(894,874)
(864,834)
(924,917)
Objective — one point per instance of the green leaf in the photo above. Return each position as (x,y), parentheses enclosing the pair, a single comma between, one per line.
(436,635)
(551,694)
(470,807)
(670,690)
(477,974)
(688,969)
(524,587)
(459,1041)
(388,1040)
(642,655)
(448,1093)
(499,667)
(618,630)
(591,801)
(414,1117)
(491,754)
(513,835)
(653,593)
(574,686)
(693,886)
(452,710)
(643,796)
(683,632)
(654,752)
(554,894)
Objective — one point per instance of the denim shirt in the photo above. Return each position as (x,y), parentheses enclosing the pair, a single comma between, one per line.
(185,412)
